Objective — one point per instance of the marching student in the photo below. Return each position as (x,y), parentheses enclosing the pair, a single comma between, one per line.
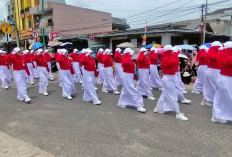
(178,81)
(222,104)
(211,75)
(168,100)
(32,55)
(109,82)
(130,96)
(154,77)
(49,62)
(4,71)
(29,61)
(100,65)
(42,70)
(89,78)
(143,85)
(56,55)
(118,66)
(76,66)
(66,75)
(201,58)
(20,71)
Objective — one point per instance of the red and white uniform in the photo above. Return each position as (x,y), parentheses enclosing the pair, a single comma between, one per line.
(109,82)
(202,59)
(20,71)
(49,62)
(129,96)
(29,61)
(66,71)
(89,78)
(118,67)
(4,71)
(100,64)
(143,85)
(154,78)
(76,66)
(42,70)
(212,73)
(222,106)
(168,100)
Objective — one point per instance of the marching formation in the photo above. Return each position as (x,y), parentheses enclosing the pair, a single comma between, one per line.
(214,76)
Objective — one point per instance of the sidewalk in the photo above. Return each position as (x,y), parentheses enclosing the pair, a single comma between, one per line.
(12,147)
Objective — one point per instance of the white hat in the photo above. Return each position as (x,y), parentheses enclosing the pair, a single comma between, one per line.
(143,49)
(101,50)
(118,49)
(203,47)
(16,49)
(128,50)
(75,50)
(228,44)
(46,50)
(216,43)
(31,51)
(25,51)
(167,47)
(108,51)
(84,51)
(59,51)
(88,51)
(39,51)
(1,51)
(175,49)
(63,51)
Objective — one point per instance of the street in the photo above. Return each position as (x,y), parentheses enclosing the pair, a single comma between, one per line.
(60,127)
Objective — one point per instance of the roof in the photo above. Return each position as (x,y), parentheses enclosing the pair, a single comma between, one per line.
(119,22)
(219,11)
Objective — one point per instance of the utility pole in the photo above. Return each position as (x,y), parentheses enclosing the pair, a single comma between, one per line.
(42,24)
(206,8)
(15,29)
(202,20)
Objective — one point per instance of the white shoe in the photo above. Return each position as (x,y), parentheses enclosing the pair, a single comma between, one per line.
(185,92)
(97,103)
(196,92)
(20,99)
(95,88)
(161,89)
(209,104)
(27,100)
(150,98)
(80,82)
(216,120)
(5,87)
(156,110)
(32,83)
(122,106)
(51,79)
(104,91)
(186,101)
(141,109)
(100,83)
(69,97)
(204,103)
(181,116)
(45,93)
(116,92)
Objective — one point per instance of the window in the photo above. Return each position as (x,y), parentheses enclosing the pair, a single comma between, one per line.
(29,24)
(50,22)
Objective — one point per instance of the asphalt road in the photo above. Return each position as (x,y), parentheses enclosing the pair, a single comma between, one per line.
(80,129)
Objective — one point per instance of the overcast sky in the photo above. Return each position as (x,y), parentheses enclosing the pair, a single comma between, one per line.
(177,11)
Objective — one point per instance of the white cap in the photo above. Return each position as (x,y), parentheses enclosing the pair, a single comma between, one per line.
(175,49)
(84,51)
(128,50)
(46,50)
(228,44)
(1,51)
(88,51)
(16,49)
(118,49)
(143,49)
(39,51)
(64,51)
(108,51)
(101,50)
(25,52)
(75,50)
(31,51)
(216,43)
(203,47)
(167,47)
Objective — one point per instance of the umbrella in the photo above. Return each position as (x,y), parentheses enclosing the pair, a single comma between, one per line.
(148,46)
(66,44)
(35,45)
(126,45)
(157,46)
(187,47)
(206,44)
(160,50)
(54,43)
(79,52)
(182,56)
